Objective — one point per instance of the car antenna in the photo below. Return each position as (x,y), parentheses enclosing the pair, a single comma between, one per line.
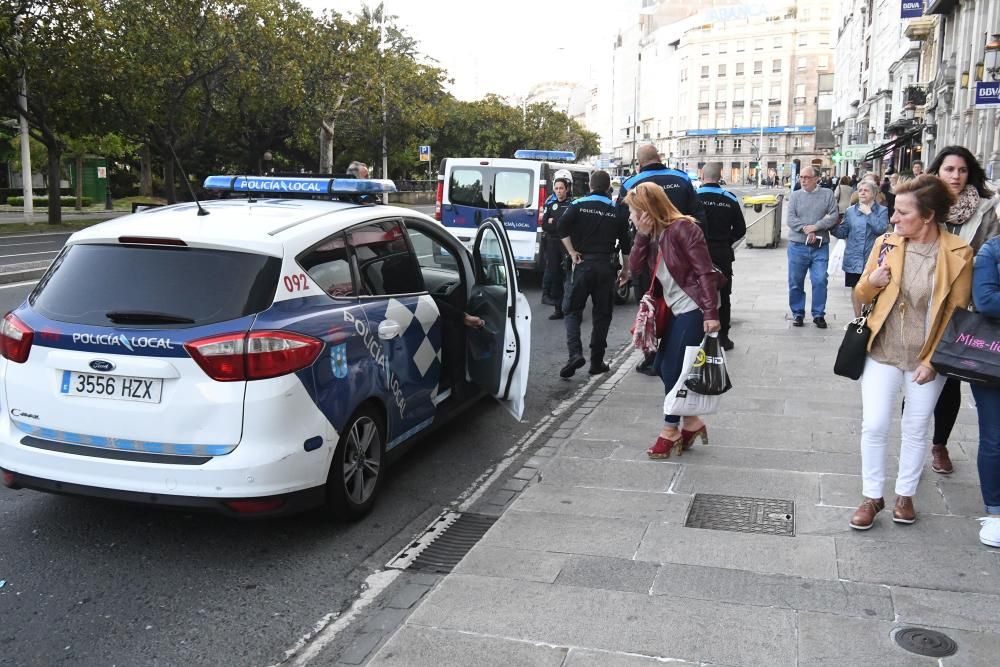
(197,203)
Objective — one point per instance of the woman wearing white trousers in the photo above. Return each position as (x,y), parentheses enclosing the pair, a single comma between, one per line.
(920,275)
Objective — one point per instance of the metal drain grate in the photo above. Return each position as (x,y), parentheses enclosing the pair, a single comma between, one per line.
(444,543)
(925,642)
(770,516)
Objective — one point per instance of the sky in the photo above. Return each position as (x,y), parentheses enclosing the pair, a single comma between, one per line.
(506,46)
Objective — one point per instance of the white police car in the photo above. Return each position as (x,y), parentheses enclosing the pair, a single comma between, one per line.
(263,358)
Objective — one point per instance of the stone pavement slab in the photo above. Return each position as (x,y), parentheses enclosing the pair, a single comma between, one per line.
(430,647)
(947,609)
(803,556)
(970,569)
(585,658)
(611,503)
(610,621)
(609,474)
(558,533)
(774,590)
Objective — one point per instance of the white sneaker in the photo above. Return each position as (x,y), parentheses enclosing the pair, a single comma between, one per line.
(989,534)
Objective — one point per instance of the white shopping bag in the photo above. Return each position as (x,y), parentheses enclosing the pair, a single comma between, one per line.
(836,263)
(682,401)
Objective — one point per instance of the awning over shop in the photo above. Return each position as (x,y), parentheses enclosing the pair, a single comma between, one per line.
(880,151)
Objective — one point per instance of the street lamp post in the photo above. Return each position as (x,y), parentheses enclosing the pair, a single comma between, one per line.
(760,145)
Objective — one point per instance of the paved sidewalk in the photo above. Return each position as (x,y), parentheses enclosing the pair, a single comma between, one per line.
(592,565)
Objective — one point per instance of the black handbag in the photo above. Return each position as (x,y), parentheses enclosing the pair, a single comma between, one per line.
(854,348)
(969,349)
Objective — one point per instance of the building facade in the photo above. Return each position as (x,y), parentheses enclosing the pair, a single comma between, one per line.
(741,84)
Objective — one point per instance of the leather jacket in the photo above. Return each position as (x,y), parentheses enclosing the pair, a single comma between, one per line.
(685,252)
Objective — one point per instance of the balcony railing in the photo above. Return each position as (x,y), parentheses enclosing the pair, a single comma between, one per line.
(799,100)
(703,105)
(720,105)
(737,104)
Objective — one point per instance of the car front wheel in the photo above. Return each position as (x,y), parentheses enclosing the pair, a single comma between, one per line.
(358,466)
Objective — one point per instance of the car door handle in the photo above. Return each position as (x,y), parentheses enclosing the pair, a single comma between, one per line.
(388,329)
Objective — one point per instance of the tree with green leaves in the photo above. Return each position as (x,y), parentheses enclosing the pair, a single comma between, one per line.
(47,46)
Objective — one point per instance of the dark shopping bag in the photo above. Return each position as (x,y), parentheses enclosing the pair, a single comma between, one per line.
(708,375)
(969,349)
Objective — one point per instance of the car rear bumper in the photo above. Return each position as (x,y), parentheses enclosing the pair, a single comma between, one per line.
(270,506)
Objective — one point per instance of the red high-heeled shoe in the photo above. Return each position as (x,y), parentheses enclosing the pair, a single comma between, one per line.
(688,437)
(663,447)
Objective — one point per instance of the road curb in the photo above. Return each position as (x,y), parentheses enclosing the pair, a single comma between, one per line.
(16,273)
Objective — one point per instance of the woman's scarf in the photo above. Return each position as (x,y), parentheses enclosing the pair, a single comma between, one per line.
(965,207)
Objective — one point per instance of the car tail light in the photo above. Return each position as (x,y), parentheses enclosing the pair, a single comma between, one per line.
(255,356)
(541,205)
(15,339)
(438,199)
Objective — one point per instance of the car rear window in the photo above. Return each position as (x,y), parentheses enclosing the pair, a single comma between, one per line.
(490,187)
(202,285)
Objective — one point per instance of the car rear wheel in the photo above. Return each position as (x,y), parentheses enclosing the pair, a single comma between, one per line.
(358,466)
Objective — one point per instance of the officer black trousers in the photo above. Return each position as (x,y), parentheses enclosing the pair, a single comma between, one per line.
(593,279)
(725,305)
(553,278)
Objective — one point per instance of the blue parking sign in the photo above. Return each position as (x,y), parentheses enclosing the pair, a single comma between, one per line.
(425,153)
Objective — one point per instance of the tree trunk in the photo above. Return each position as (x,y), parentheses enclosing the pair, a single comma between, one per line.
(145,171)
(168,181)
(326,147)
(55,206)
(78,167)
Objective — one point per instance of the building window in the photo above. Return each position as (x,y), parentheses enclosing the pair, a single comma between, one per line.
(736,120)
(737,145)
(720,120)
(720,96)
(797,142)
(756,92)
(723,47)
(702,145)
(775,119)
(778,42)
(739,69)
(824,39)
(741,46)
(684,75)
(704,71)
(703,95)
(758,67)
(738,94)
(722,70)
(720,145)
(758,45)
(704,49)
(775,91)
(772,144)
(755,119)
(803,63)
(800,117)
(803,39)
(824,62)
(703,121)
(776,65)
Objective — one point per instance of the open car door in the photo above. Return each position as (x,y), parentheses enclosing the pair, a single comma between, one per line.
(498,354)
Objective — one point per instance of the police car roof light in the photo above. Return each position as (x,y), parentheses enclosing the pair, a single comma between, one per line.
(560,156)
(299,185)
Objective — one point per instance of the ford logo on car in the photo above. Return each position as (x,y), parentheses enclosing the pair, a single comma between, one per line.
(102,366)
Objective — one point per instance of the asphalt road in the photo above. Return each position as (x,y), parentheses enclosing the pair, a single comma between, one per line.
(21,248)
(98,583)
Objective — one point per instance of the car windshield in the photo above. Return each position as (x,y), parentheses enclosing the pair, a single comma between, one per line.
(156,286)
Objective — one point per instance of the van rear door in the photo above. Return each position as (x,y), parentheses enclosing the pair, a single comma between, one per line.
(474,192)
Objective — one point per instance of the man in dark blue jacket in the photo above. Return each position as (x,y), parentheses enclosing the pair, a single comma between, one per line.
(677,185)
(724,227)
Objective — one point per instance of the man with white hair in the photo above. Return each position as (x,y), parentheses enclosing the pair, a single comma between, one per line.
(812,212)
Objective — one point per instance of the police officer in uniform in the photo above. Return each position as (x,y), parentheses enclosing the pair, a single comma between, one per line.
(553,249)
(724,227)
(589,229)
(677,185)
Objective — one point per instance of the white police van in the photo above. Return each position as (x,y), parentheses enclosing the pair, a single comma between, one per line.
(254,356)
(514,191)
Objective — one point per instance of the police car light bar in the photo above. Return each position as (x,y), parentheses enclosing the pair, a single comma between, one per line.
(300,185)
(562,156)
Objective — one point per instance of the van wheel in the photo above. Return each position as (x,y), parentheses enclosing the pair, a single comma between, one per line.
(358,466)
(621,293)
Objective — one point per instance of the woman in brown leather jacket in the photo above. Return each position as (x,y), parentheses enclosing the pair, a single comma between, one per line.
(672,247)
